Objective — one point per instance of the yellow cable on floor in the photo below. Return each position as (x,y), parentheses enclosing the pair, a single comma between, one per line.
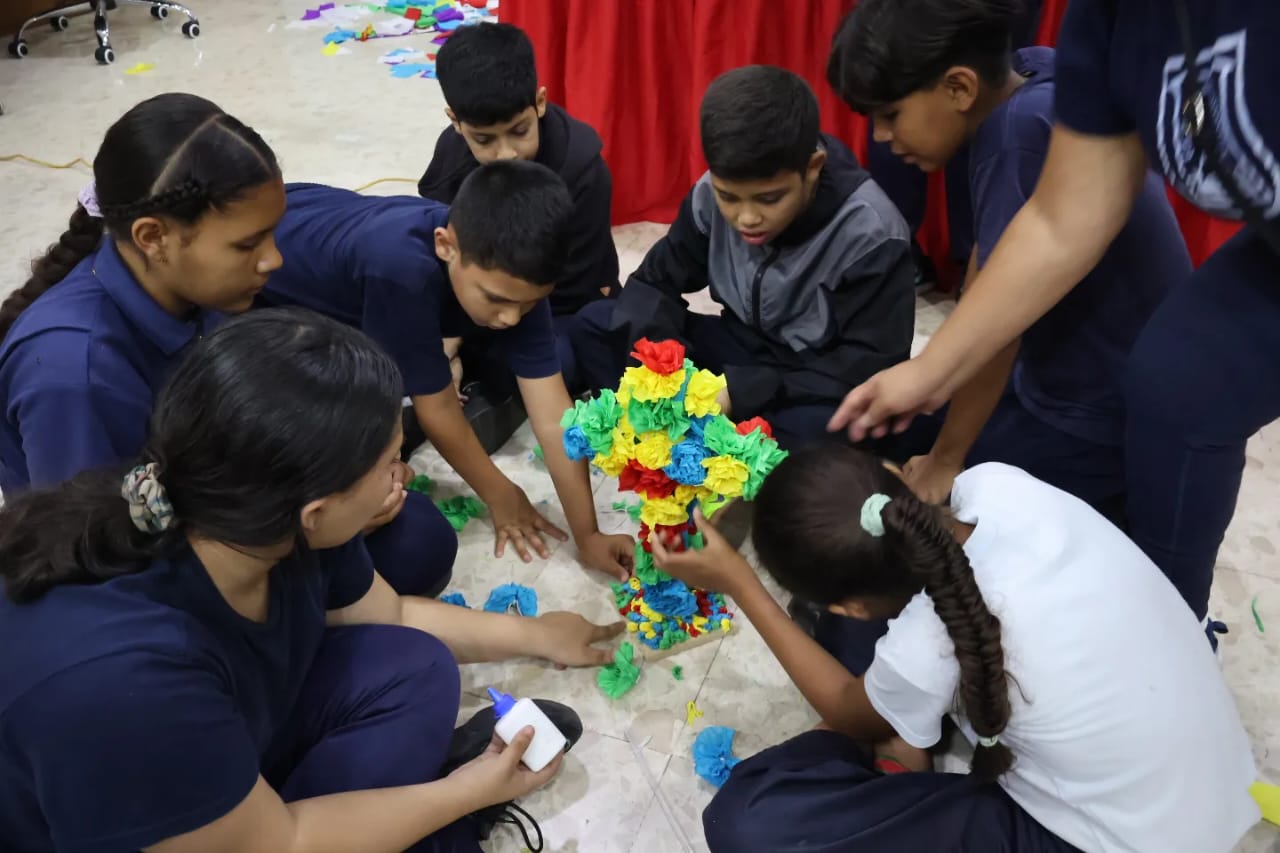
(80,161)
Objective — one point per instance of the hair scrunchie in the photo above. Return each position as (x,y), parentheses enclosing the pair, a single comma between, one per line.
(149,506)
(88,199)
(871,518)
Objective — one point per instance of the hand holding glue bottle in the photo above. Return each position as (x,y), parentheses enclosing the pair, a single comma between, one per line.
(512,716)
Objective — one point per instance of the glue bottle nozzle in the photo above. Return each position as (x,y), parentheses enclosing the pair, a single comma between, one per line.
(502,703)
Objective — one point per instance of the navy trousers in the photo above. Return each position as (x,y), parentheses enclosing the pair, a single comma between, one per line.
(819,793)
(415,551)
(1203,377)
(601,356)
(377,711)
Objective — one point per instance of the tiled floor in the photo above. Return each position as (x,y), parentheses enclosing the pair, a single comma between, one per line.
(345,121)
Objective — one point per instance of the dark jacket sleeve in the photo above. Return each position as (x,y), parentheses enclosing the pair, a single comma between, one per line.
(449,167)
(652,304)
(593,259)
(874,319)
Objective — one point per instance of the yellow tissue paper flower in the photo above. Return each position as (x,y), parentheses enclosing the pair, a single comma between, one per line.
(668,511)
(624,438)
(617,459)
(725,475)
(654,449)
(702,397)
(646,386)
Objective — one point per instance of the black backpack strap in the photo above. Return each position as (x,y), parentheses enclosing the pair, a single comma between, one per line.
(1199,120)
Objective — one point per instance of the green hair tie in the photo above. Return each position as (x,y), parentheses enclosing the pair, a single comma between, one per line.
(872,507)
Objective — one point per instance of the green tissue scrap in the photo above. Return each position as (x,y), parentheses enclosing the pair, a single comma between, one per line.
(421,484)
(677,672)
(631,509)
(537,451)
(460,509)
(617,679)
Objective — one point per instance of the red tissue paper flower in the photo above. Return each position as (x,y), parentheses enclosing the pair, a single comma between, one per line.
(747,427)
(654,485)
(662,358)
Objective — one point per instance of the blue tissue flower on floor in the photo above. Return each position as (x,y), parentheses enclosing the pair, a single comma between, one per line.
(453,598)
(713,754)
(502,597)
(576,445)
(671,596)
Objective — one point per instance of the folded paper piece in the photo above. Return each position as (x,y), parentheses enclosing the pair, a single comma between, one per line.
(504,597)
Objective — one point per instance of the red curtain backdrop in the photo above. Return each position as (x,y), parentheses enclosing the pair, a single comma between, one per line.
(636,69)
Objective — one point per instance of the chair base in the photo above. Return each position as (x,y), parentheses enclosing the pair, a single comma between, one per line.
(59,20)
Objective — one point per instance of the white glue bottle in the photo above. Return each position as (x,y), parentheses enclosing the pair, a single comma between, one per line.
(512,716)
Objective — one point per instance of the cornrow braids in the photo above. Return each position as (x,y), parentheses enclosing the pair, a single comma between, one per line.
(179,200)
(939,562)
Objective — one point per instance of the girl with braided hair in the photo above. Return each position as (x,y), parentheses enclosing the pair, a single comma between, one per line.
(1096,711)
(175,232)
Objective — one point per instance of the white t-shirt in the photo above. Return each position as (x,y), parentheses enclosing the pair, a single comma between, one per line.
(1127,738)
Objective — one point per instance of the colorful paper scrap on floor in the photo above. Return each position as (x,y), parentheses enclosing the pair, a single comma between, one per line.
(1268,799)
(713,756)
(454,598)
(140,68)
(504,597)
(460,509)
(616,679)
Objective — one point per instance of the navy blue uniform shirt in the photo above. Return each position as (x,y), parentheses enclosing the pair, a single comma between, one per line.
(1121,64)
(79,370)
(1071,362)
(370,262)
(144,707)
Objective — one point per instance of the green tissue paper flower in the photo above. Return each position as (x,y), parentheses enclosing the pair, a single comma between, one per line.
(596,418)
(460,509)
(721,437)
(659,416)
(421,484)
(617,679)
(648,573)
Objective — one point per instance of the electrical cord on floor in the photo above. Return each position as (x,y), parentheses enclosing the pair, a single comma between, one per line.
(80,161)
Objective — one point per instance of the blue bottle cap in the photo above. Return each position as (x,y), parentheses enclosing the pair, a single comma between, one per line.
(502,703)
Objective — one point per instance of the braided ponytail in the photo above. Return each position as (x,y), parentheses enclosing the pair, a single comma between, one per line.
(76,243)
(938,561)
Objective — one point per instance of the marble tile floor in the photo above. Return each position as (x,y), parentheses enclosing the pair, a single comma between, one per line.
(344,120)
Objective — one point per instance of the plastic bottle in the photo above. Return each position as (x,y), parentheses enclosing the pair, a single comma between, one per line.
(512,716)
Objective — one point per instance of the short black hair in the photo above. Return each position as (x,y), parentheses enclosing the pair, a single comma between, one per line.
(885,50)
(757,121)
(487,73)
(514,216)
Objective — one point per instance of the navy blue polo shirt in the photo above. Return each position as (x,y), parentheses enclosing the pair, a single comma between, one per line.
(1071,362)
(1121,64)
(143,707)
(370,262)
(79,370)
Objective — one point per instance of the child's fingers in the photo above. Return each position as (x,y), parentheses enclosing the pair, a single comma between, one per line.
(516,537)
(547,527)
(535,539)
(600,633)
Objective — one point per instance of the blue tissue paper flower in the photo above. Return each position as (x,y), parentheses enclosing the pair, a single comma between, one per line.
(576,445)
(686,463)
(670,598)
(453,598)
(502,597)
(698,427)
(713,754)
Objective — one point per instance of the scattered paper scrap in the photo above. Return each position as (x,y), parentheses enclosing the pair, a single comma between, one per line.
(713,756)
(1268,799)
(677,672)
(331,49)
(1257,620)
(616,679)
(140,68)
(508,595)
(691,712)
(455,598)
(461,508)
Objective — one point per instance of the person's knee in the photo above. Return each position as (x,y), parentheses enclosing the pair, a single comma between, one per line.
(736,819)
(416,551)
(413,666)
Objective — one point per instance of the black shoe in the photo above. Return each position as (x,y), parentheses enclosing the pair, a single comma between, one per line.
(804,614)
(494,421)
(487,818)
(472,738)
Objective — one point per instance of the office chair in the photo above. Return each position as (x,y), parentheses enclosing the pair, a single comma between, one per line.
(59,20)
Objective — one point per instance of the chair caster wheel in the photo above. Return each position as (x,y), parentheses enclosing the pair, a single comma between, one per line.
(18,49)
(59,23)
(104,55)
(191,29)
(159,12)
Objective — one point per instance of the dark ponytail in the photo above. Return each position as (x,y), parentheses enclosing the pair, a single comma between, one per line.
(173,155)
(807,533)
(273,410)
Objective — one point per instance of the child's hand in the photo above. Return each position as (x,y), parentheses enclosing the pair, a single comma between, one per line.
(566,639)
(401,474)
(516,521)
(497,776)
(716,566)
(726,404)
(931,477)
(612,554)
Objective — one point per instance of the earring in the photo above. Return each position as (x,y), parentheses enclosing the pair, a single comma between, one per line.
(162,258)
